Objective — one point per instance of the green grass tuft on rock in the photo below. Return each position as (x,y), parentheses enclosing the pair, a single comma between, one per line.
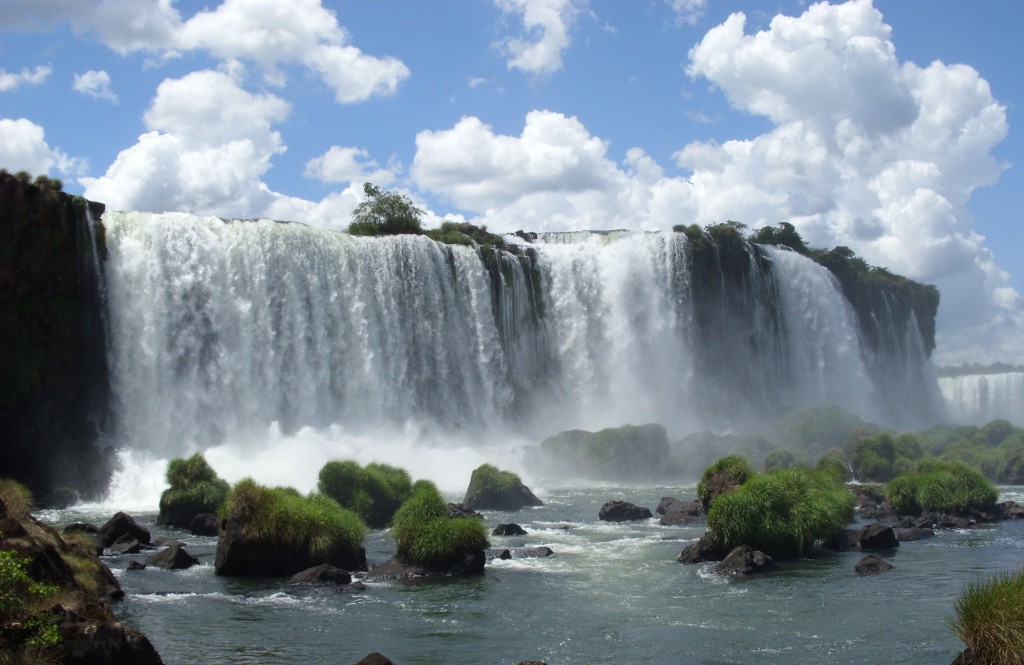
(942,486)
(374,492)
(425,535)
(194,489)
(783,512)
(989,619)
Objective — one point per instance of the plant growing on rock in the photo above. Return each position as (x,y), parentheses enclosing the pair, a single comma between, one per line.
(425,535)
(943,486)
(727,472)
(492,488)
(194,489)
(385,213)
(374,492)
(290,530)
(989,619)
(782,513)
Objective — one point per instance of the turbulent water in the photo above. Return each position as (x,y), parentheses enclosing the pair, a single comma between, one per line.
(611,593)
(979,398)
(277,346)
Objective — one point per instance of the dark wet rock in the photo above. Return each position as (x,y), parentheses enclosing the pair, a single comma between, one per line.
(322,574)
(532,552)
(623,511)
(745,560)
(532,662)
(502,553)
(204,524)
(492,489)
(126,544)
(469,563)
(119,525)
(461,510)
(675,512)
(81,527)
(508,530)
(375,659)
(877,537)
(135,565)
(843,540)
(239,554)
(173,558)
(90,642)
(704,549)
(967,657)
(715,485)
(1010,510)
(164,541)
(913,533)
(872,565)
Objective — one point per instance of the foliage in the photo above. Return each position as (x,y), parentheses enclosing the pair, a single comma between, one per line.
(16,497)
(782,234)
(464,233)
(941,485)
(735,467)
(283,517)
(424,534)
(628,451)
(374,492)
(488,478)
(815,429)
(833,464)
(21,601)
(989,618)
(385,213)
(885,455)
(782,513)
(780,458)
(194,489)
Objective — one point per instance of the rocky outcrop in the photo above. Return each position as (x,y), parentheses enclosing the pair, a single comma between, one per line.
(467,563)
(55,390)
(205,524)
(508,530)
(745,560)
(675,512)
(242,555)
(493,489)
(120,525)
(173,558)
(871,537)
(623,511)
(88,632)
(704,549)
(872,565)
(322,574)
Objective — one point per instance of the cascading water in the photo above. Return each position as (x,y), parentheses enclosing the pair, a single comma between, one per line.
(276,346)
(979,398)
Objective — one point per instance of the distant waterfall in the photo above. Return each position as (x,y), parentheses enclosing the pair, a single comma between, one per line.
(979,398)
(219,329)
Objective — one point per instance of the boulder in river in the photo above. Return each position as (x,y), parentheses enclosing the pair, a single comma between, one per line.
(119,525)
(493,489)
(623,511)
(745,560)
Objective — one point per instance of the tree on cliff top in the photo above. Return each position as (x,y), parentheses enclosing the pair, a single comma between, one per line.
(385,213)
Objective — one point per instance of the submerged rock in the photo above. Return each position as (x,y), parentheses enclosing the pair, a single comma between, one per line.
(508,530)
(675,512)
(322,574)
(872,565)
(204,524)
(623,511)
(704,549)
(173,558)
(745,560)
(119,525)
(469,563)
(375,659)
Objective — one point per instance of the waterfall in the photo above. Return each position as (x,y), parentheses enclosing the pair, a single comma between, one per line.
(980,398)
(286,344)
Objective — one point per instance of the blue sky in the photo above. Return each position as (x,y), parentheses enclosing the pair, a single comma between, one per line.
(893,127)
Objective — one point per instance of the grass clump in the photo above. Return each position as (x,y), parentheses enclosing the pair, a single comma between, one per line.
(281,517)
(16,497)
(942,486)
(425,535)
(989,619)
(783,512)
(374,492)
(731,470)
(194,489)
(492,479)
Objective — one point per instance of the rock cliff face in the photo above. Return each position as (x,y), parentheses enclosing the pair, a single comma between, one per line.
(53,396)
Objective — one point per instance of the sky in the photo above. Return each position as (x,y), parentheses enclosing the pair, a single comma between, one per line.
(893,127)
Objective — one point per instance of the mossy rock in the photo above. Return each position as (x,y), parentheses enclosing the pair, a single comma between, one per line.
(195,489)
(270,531)
(493,489)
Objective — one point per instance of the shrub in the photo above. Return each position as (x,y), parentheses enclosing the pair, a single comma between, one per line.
(782,513)
(280,516)
(16,498)
(884,455)
(834,465)
(385,213)
(941,485)
(374,492)
(21,613)
(989,618)
(780,458)
(425,535)
(735,468)
(194,489)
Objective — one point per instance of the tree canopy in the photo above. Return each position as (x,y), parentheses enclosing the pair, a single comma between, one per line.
(385,213)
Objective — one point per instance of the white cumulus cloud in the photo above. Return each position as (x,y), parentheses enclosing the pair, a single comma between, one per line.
(210,143)
(546,24)
(23,147)
(348,165)
(96,84)
(12,80)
